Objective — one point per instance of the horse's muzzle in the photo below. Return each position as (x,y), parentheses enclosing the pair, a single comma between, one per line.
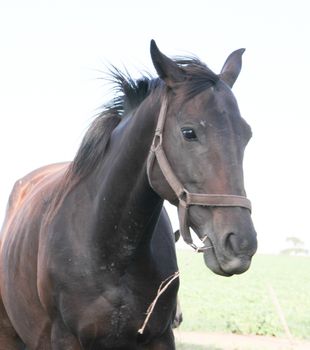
(230,255)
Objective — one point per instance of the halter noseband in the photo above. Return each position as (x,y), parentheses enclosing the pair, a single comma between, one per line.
(185,198)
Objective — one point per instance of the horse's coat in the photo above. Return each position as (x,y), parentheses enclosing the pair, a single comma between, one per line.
(85,245)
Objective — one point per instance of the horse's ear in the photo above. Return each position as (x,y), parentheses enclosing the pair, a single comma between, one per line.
(166,68)
(232,67)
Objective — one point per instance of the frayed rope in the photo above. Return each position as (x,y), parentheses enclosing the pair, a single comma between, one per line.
(162,288)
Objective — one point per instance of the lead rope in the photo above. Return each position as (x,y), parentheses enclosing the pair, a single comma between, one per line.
(162,288)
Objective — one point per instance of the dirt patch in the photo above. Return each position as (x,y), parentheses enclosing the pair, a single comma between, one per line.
(218,341)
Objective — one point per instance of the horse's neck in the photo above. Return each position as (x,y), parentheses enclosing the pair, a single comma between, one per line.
(125,209)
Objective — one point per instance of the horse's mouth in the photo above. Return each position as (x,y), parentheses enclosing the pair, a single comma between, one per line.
(211,259)
(228,265)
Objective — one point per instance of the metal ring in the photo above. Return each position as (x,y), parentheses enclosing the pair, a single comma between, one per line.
(183,198)
(157,141)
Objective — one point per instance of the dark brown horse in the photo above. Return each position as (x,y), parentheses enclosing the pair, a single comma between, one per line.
(85,245)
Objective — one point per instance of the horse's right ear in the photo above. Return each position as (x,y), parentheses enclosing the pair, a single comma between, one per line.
(166,68)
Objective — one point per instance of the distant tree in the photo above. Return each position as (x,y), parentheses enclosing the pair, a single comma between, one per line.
(295,240)
(297,248)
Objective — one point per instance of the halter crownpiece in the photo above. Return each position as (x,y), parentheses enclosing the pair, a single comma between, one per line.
(185,197)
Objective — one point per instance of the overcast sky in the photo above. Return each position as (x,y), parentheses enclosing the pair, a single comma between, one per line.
(53,52)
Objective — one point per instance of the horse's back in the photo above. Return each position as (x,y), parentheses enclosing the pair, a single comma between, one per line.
(29,184)
(18,254)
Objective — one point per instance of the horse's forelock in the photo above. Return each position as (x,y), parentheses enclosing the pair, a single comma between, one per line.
(198,76)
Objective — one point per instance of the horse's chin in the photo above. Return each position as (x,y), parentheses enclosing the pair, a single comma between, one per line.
(213,265)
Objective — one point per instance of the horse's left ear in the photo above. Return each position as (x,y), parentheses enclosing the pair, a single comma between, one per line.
(232,67)
(166,68)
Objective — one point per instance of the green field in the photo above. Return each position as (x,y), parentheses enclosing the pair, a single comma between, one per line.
(243,304)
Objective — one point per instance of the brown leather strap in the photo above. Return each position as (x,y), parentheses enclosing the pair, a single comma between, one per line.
(166,169)
(185,198)
(184,227)
(218,200)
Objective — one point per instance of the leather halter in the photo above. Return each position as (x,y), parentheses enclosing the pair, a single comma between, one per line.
(185,197)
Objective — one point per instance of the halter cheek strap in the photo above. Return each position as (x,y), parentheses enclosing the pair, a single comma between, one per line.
(185,198)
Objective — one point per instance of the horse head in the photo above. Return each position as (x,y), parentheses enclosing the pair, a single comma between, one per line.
(196,160)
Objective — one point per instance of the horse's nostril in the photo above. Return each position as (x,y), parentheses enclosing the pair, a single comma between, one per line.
(239,245)
(230,243)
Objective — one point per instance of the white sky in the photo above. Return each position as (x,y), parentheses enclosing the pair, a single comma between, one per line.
(52,53)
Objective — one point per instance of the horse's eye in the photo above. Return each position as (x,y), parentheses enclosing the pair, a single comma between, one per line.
(189,134)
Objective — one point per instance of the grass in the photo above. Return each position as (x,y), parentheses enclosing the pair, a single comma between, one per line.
(242,304)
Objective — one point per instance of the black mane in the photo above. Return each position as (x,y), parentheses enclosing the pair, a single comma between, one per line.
(129,94)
